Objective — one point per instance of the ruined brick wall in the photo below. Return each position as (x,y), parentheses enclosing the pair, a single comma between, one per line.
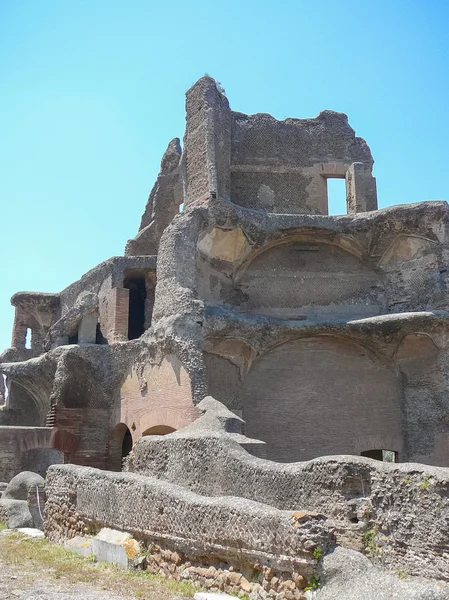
(282,166)
(320,396)
(220,369)
(338,390)
(252,265)
(300,279)
(325,268)
(10,459)
(207,143)
(306,279)
(84,394)
(402,506)
(99,292)
(159,395)
(233,532)
(270,279)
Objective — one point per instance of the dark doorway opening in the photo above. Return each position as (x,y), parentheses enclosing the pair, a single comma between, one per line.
(73,338)
(127,444)
(137,298)
(120,445)
(159,430)
(383,455)
(99,337)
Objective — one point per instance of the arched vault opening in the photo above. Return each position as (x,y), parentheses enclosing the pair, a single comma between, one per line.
(159,430)
(120,445)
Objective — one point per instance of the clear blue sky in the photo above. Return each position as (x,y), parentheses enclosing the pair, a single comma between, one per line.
(93,90)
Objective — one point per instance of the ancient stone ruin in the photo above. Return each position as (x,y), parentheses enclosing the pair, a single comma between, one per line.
(244,335)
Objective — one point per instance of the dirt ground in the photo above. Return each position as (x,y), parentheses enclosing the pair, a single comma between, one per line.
(18,582)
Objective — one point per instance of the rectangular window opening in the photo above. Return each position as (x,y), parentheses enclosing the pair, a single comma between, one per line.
(28,339)
(383,455)
(336,196)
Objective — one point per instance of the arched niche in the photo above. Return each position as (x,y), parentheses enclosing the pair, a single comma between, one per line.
(320,396)
(416,346)
(417,357)
(309,278)
(31,407)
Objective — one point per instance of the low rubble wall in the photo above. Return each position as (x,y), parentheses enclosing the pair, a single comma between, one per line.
(395,512)
(186,533)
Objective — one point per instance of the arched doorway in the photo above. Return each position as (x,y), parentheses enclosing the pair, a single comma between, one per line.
(120,445)
(320,396)
(127,443)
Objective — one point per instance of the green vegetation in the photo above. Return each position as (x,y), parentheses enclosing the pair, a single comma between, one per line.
(371,548)
(2,526)
(314,584)
(220,89)
(401,574)
(425,483)
(317,554)
(406,480)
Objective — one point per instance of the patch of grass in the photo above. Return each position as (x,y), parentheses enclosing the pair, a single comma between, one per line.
(317,554)
(44,559)
(186,588)
(425,483)
(406,481)
(241,596)
(313,584)
(3,526)
(220,89)
(401,574)
(371,547)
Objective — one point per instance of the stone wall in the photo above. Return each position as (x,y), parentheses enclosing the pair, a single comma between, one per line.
(207,144)
(329,334)
(395,511)
(391,260)
(273,284)
(16,446)
(186,533)
(282,166)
